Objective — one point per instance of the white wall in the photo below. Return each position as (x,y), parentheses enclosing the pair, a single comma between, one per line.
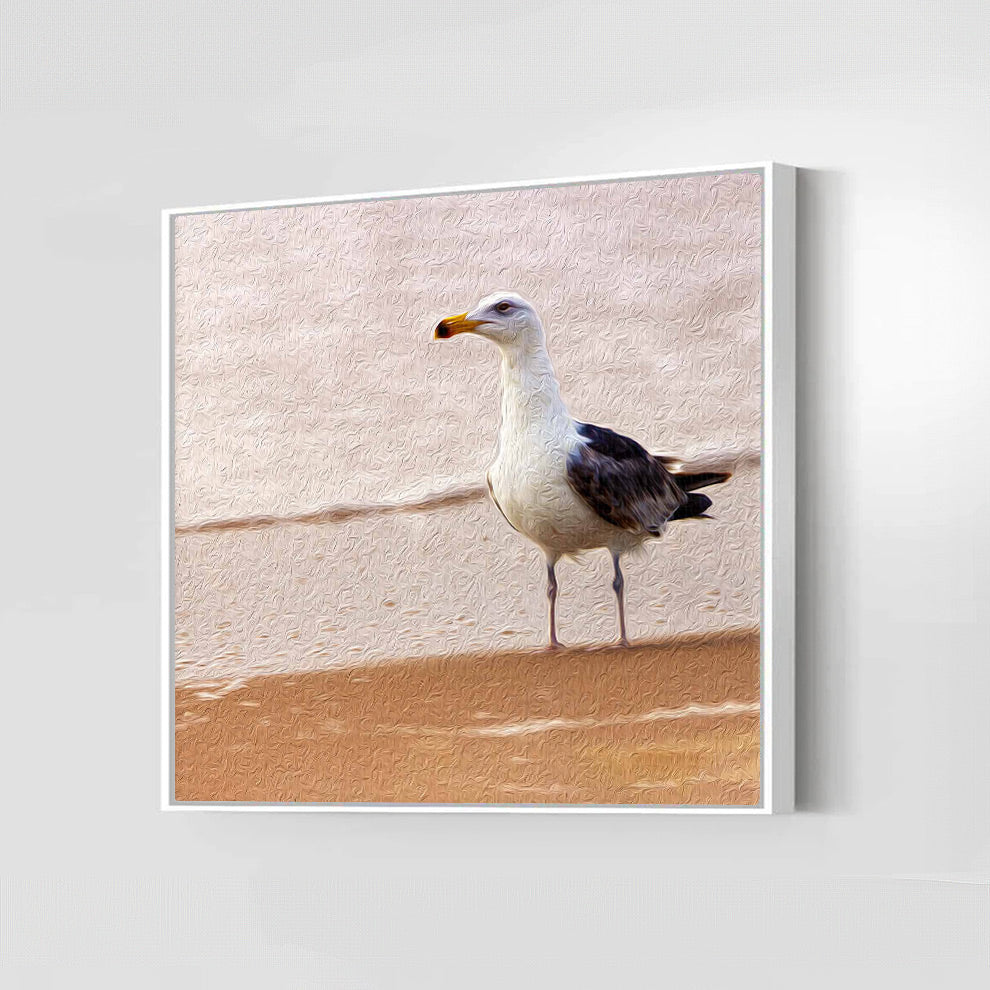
(112,111)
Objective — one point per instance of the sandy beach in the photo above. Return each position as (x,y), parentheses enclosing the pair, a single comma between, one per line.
(661,723)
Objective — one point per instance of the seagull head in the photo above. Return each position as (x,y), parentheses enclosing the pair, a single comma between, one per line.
(504,318)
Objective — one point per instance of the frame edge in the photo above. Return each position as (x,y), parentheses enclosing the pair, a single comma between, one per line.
(167,467)
(780,490)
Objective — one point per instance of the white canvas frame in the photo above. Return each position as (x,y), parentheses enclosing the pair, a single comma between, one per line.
(778,493)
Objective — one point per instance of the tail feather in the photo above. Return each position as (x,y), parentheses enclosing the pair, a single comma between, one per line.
(696,505)
(689,482)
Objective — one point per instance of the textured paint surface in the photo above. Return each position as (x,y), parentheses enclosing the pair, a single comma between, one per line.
(331,515)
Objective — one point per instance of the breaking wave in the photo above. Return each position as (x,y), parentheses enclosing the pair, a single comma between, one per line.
(343,512)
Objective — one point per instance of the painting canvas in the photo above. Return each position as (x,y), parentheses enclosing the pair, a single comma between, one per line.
(479,498)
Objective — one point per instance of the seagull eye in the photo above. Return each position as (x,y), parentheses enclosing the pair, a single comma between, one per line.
(503,307)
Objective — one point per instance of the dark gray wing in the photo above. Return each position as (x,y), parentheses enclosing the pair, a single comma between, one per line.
(622,481)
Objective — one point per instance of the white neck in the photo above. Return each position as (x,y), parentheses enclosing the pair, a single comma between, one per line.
(530,393)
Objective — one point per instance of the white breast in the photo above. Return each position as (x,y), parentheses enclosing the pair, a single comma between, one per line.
(529,482)
(529,476)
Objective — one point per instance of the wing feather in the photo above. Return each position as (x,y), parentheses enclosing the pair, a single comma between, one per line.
(622,482)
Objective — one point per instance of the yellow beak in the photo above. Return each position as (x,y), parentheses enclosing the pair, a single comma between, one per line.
(453,325)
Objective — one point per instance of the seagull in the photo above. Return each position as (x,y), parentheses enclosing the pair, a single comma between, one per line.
(566,485)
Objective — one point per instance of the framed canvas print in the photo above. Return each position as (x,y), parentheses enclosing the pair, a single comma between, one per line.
(482,498)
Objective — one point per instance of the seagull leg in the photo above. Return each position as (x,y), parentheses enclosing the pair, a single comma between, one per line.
(552,598)
(618,586)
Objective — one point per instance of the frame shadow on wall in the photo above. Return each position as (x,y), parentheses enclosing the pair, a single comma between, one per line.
(822,649)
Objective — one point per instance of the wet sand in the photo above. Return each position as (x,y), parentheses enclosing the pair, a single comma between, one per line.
(673,722)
